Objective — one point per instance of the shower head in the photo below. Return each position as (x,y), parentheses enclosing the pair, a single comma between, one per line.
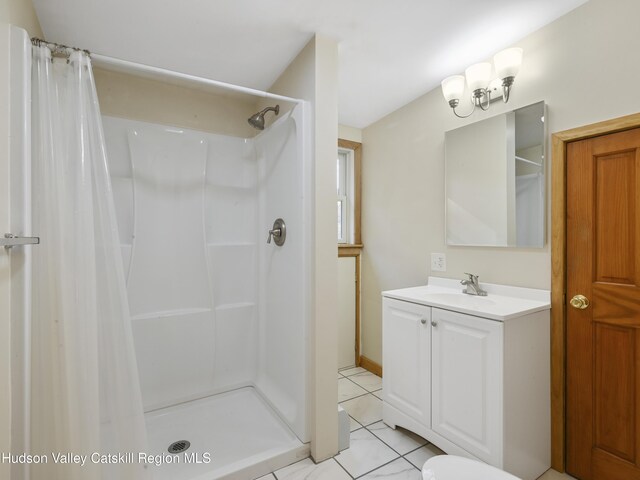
(257,120)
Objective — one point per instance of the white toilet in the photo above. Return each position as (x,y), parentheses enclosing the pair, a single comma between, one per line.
(452,467)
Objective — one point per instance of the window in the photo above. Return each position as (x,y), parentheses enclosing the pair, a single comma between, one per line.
(348,192)
(344,176)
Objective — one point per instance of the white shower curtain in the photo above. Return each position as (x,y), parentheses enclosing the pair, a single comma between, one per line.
(85,390)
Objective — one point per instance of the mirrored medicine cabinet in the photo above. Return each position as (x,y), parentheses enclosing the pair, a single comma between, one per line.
(495,180)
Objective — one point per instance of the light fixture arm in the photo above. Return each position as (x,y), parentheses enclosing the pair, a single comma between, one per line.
(507,82)
(478,96)
(454,103)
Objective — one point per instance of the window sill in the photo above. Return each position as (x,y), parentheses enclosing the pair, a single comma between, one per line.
(349,249)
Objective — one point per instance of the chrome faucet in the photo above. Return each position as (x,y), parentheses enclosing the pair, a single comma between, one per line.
(472,287)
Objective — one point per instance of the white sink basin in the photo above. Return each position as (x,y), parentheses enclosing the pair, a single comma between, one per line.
(461,299)
(502,302)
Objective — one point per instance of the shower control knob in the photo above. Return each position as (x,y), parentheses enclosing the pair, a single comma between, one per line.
(278,233)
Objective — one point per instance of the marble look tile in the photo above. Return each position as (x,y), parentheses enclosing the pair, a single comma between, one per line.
(353,424)
(423,454)
(366,409)
(366,453)
(554,475)
(307,470)
(352,371)
(348,390)
(399,469)
(367,380)
(402,441)
(340,376)
(267,477)
(379,394)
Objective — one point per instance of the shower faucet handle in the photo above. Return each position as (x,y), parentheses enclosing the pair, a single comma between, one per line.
(278,232)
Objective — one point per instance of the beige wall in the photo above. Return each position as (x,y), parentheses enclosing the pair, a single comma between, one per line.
(583,65)
(350,133)
(346,312)
(313,76)
(136,98)
(19,13)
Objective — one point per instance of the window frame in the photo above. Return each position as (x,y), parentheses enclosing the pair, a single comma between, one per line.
(344,186)
(354,189)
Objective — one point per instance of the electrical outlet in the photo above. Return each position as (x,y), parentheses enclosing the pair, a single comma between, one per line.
(438,262)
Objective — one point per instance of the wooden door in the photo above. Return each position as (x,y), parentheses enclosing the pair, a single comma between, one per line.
(466,382)
(406,352)
(603,339)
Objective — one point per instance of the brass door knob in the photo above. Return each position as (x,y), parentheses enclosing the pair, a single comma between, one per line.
(579,301)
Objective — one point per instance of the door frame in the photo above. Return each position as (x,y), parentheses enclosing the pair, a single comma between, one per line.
(558,271)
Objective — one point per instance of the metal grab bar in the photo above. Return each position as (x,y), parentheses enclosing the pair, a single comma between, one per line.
(11,240)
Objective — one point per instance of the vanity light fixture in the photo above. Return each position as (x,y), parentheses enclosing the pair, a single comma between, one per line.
(478,78)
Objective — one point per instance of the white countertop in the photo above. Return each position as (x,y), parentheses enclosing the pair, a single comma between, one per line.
(501,303)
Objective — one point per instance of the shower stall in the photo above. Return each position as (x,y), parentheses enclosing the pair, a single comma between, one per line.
(219,314)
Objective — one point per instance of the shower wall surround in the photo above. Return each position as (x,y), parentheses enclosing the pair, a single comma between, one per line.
(186,204)
(213,306)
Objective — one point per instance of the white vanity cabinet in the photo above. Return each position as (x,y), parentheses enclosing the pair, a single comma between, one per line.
(471,375)
(407,337)
(466,378)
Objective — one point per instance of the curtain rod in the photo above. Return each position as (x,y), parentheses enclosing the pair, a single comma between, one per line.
(57,48)
(127,66)
(63,50)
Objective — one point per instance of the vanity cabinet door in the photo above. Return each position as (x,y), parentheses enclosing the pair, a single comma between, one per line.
(406,345)
(467,382)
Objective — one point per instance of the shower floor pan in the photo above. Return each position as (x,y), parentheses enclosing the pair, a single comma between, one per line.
(243,436)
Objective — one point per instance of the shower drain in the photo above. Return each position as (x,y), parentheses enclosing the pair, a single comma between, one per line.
(179,446)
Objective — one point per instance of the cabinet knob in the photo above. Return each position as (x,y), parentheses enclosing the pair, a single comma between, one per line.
(423,321)
(434,323)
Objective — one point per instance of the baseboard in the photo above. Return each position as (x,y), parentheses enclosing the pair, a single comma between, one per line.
(370,365)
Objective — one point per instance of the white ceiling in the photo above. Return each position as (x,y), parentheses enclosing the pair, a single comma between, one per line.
(391,52)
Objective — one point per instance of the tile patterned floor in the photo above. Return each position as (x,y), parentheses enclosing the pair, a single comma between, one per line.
(376,451)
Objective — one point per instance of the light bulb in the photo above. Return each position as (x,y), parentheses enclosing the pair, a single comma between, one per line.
(453,87)
(508,62)
(478,76)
